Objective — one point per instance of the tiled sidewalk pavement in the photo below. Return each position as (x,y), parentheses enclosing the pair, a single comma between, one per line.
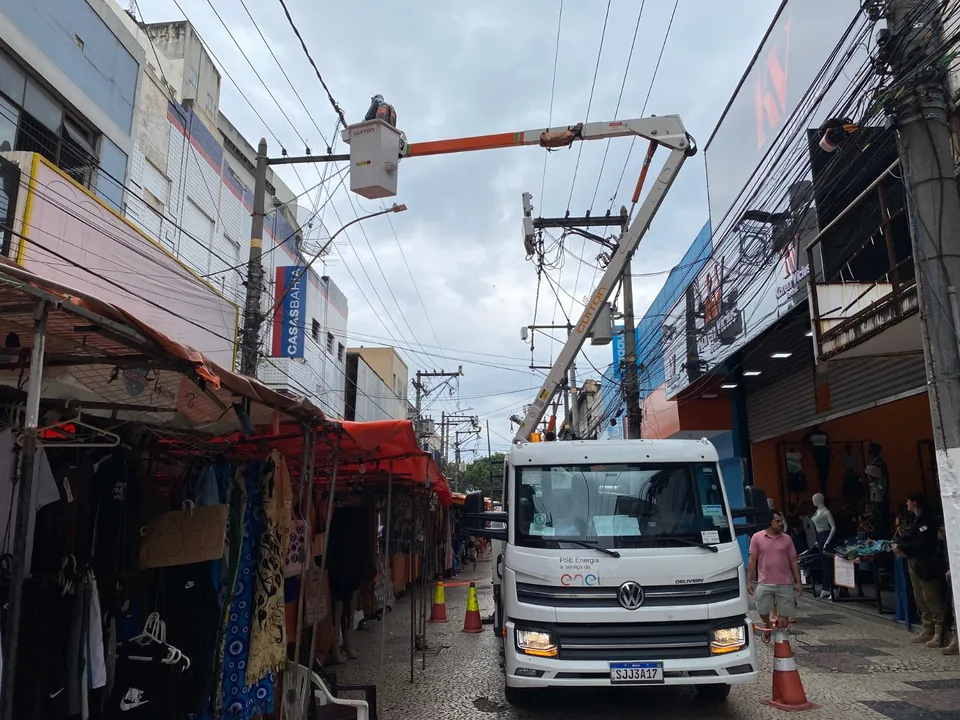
(849,662)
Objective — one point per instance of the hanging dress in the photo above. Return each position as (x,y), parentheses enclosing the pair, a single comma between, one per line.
(237,698)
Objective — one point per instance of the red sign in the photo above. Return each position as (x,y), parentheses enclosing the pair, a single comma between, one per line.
(770,88)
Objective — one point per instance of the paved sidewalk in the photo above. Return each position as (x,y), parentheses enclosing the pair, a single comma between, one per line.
(849,662)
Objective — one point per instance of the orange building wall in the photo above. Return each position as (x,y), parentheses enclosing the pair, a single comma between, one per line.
(664,418)
(897,426)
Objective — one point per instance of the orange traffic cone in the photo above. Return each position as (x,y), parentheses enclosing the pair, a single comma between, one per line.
(438,613)
(788,693)
(472,623)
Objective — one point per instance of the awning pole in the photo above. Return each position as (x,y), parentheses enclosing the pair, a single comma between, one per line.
(306,489)
(24,505)
(413,585)
(326,538)
(425,564)
(386,578)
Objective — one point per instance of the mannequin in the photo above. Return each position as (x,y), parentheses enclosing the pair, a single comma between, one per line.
(879,485)
(826,531)
(820,445)
(796,480)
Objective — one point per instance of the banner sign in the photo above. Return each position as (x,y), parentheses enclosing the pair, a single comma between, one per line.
(798,43)
(289,320)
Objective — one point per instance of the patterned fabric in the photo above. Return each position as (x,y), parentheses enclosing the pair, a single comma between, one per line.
(268,651)
(297,551)
(236,698)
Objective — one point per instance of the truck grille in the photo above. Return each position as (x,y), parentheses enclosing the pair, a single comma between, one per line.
(635,641)
(606,597)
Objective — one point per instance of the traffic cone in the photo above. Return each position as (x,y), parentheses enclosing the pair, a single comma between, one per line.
(472,623)
(438,613)
(788,693)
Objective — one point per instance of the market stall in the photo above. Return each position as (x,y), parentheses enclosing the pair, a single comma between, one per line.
(154,502)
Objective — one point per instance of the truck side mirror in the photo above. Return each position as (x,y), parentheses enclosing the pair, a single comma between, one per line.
(755,511)
(475,519)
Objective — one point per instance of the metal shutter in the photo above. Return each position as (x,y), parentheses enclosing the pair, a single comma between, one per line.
(855,383)
(789,404)
(781,407)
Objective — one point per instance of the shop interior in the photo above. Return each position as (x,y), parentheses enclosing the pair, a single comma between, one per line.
(862,466)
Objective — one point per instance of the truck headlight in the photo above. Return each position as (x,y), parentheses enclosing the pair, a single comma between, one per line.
(537,643)
(727,640)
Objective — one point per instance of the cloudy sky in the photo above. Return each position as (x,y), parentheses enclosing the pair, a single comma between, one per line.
(448,283)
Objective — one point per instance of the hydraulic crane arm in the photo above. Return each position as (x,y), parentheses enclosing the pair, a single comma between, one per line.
(667,131)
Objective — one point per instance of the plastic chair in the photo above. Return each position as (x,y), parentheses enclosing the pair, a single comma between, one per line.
(297,682)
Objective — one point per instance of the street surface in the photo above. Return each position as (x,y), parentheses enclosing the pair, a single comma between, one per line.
(851,663)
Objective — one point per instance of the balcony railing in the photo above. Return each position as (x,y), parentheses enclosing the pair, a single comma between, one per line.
(861,296)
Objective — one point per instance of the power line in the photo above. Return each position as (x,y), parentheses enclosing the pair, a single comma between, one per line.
(616,112)
(333,103)
(646,100)
(287,77)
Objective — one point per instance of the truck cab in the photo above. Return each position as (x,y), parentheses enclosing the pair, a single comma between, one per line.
(619,566)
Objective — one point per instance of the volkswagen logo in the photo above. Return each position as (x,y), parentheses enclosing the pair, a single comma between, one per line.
(630,595)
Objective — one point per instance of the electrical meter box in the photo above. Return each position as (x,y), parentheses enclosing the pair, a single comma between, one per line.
(374,158)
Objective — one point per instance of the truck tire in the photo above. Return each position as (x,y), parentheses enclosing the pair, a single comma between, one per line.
(713,693)
(516,697)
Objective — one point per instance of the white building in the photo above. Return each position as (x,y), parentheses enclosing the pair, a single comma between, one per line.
(191,174)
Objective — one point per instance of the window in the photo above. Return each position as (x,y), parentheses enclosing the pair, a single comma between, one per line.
(112,173)
(621,506)
(153,201)
(315,330)
(33,120)
(210,104)
(193,77)
(331,340)
(341,352)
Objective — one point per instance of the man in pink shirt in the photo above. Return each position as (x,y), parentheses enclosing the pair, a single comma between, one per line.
(773,574)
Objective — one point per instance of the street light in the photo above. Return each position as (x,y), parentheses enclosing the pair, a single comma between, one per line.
(393,209)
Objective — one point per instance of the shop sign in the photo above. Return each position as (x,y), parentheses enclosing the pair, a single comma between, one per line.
(619,350)
(289,321)
(801,38)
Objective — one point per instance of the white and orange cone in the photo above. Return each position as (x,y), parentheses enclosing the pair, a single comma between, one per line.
(788,693)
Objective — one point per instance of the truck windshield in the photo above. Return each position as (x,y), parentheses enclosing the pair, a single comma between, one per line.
(621,506)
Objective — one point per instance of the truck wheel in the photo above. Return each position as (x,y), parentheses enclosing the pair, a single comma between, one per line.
(713,693)
(517,697)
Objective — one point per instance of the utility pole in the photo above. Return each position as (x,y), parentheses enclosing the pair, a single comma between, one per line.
(571,386)
(575,225)
(927,161)
(489,457)
(252,318)
(423,391)
(252,313)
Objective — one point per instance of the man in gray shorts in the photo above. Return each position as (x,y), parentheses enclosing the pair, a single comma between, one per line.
(773,574)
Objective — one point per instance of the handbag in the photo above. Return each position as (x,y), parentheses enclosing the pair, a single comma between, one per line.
(297,549)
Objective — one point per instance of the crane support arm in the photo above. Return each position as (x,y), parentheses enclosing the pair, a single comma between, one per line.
(666,130)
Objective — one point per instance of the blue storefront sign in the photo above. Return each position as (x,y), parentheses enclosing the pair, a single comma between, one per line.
(289,320)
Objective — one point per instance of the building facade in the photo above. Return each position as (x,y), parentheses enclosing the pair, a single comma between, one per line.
(392,371)
(191,174)
(368,397)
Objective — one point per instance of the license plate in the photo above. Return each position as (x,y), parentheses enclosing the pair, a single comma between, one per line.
(636,673)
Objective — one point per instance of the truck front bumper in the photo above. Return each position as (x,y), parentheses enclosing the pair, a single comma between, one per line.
(525,671)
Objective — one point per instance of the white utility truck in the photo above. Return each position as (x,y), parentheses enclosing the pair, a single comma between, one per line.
(619,566)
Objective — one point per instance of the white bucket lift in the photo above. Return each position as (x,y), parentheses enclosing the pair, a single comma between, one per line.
(375,149)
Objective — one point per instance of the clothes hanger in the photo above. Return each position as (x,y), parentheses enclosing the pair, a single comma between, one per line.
(97,438)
